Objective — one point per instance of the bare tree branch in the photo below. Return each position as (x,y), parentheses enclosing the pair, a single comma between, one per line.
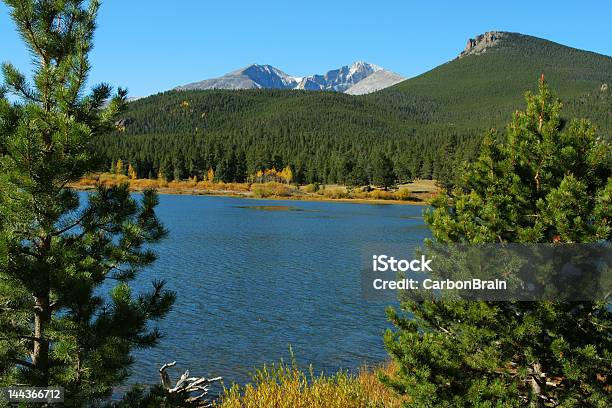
(187,385)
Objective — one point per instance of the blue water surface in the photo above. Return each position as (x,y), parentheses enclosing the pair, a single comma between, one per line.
(255,276)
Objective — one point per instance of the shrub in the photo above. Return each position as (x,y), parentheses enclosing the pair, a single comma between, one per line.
(271,189)
(403,194)
(204,185)
(285,386)
(143,184)
(237,186)
(178,184)
(89,180)
(381,195)
(109,179)
(311,188)
(335,193)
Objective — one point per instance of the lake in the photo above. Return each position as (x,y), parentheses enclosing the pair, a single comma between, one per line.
(255,276)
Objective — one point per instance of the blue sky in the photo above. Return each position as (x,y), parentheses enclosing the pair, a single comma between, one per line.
(150,46)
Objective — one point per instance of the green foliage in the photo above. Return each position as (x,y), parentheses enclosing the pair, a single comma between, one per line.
(546,181)
(382,173)
(323,136)
(285,385)
(487,87)
(427,126)
(57,255)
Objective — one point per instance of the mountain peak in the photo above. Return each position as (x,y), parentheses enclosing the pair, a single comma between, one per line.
(260,67)
(339,79)
(267,76)
(258,76)
(362,66)
(254,76)
(361,63)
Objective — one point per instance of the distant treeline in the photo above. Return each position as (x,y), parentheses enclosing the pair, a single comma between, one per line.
(345,159)
(323,137)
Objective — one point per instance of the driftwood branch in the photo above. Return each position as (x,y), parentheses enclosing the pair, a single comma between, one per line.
(165,378)
(186,386)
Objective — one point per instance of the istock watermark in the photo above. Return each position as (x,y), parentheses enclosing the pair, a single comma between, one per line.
(495,272)
(383,263)
(432,284)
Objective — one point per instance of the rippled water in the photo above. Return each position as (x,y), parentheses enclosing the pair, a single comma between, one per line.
(255,276)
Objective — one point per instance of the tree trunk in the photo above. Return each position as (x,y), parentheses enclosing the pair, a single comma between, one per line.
(535,382)
(40,351)
(42,318)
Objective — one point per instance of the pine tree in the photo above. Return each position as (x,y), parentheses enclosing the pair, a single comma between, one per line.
(445,171)
(426,171)
(57,327)
(177,173)
(276,162)
(544,182)
(404,173)
(222,172)
(382,171)
(231,161)
(358,176)
(241,167)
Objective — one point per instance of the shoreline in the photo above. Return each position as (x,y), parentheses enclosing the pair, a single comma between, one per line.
(249,195)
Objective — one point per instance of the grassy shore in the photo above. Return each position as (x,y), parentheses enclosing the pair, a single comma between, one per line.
(285,386)
(418,192)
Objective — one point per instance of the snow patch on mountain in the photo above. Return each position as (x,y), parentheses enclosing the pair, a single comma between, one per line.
(339,79)
(257,76)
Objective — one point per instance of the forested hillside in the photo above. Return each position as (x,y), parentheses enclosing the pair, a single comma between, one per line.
(424,127)
(484,88)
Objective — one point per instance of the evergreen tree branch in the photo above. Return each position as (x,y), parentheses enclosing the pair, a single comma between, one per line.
(24,363)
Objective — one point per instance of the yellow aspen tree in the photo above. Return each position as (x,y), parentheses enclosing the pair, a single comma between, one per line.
(210,175)
(132,172)
(119,167)
(270,174)
(288,174)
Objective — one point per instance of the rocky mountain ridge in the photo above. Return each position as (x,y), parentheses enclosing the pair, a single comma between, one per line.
(482,42)
(258,76)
